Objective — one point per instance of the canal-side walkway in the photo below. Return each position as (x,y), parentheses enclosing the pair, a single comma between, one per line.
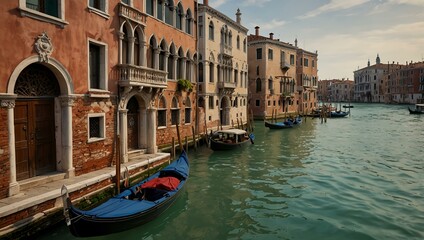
(29,205)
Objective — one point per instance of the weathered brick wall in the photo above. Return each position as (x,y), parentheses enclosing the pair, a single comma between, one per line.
(93,156)
(4,154)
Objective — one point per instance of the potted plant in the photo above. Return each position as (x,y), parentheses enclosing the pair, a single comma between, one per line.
(184,85)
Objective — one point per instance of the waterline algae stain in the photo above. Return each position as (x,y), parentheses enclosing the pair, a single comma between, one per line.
(359,177)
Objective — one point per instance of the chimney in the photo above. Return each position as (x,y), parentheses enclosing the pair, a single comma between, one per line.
(206,2)
(271,36)
(257,31)
(238,16)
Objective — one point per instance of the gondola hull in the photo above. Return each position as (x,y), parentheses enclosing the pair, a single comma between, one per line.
(412,111)
(277,125)
(230,139)
(127,209)
(219,146)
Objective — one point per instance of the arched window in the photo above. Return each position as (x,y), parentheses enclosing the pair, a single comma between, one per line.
(244,45)
(137,51)
(238,42)
(171,62)
(162,112)
(162,56)
(180,17)
(230,39)
(175,112)
(151,53)
(169,12)
(211,72)
(258,85)
(211,31)
(189,19)
(180,61)
(125,47)
(200,72)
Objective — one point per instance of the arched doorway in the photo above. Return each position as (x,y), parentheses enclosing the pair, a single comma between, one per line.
(132,123)
(34,120)
(224,111)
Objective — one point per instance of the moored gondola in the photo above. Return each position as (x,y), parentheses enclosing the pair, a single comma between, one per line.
(230,139)
(133,207)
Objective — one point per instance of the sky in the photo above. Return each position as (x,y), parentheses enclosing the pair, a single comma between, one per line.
(346,33)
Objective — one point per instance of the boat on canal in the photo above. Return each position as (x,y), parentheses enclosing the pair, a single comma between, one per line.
(133,207)
(419,109)
(229,139)
(289,123)
(338,114)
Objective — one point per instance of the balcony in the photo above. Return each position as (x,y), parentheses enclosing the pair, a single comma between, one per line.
(226,87)
(284,66)
(129,75)
(227,50)
(132,14)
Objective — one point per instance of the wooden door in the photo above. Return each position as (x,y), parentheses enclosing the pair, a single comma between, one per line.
(132,124)
(34,138)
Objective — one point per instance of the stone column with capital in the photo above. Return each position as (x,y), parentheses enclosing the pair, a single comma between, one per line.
(9,103)
(123,132)
(151,130)
(66,102)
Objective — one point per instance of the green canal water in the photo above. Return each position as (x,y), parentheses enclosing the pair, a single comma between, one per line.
(360,177)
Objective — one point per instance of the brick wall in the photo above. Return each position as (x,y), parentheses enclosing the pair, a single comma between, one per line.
(4,154)
(91,156)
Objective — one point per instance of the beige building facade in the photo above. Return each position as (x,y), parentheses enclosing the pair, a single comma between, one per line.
(282,77)
(222,82)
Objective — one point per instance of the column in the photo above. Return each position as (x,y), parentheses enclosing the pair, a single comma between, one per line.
(130,56)
(142,53)
(183,67)
(142,126)
(9,103)
(151,130)
(121,38)
(123,149)
(67,146)
(174,69)
(165,64)
(156,58)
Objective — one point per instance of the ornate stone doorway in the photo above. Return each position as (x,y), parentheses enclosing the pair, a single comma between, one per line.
(35,142)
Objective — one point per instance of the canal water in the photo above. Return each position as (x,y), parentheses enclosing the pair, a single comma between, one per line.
(360,177)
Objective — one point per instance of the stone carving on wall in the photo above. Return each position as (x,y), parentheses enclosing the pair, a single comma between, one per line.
(44,47)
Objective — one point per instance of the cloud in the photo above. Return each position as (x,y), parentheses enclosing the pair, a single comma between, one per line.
(341,54)
(333,6)
(386,5)
(260,3)
(270,25)
(217,3)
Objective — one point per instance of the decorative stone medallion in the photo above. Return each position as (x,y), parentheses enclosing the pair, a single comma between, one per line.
(44,47)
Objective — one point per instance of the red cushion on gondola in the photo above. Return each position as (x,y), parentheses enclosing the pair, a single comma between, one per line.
(165,183)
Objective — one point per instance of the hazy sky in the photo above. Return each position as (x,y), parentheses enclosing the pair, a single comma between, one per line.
(346,33)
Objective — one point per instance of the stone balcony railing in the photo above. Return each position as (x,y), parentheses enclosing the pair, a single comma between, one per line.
(132,14)
(226,85)
(226,49)
(130,75)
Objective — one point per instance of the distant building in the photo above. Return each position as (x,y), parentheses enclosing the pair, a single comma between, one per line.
(222,91)
(370,85)
(335,90)
(406,85)
(282,77)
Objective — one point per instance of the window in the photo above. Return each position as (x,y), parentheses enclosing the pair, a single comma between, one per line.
(258,102)
(175,112)
(244,45)
(201,31)
(162,113)
(200,72)
(149,7)
(258,85)
(211,72)
(291,59)
(99,7)
(188,111)
(126,2)
(259,53)
(257,70)
(211,102)
(305,62)
(96,127)
(179,17)
(49,7)
(169,12)
(238,42)
(51,11)
(313,63)
(159,10)
(189,21)
(97,66)
(211,31)
(270,54)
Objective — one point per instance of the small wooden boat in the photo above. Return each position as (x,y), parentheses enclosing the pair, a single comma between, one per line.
(347,106)
(419,109)
(134,206)
(230,139)
(338,114)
